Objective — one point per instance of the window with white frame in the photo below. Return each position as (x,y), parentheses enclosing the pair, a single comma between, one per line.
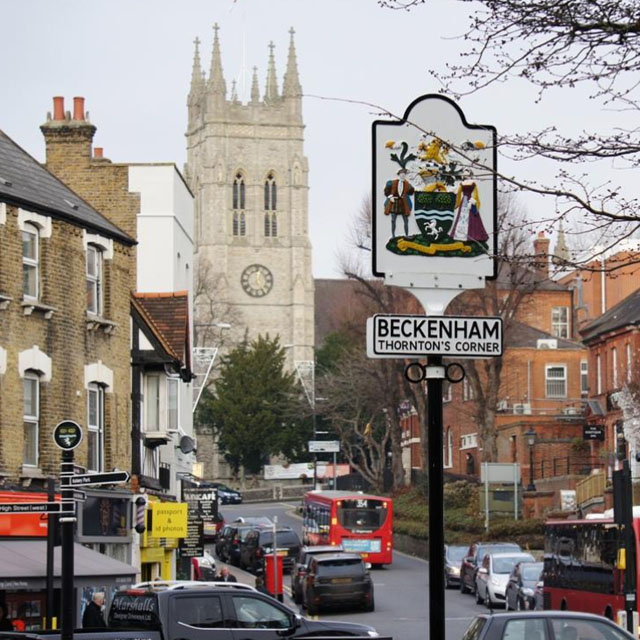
(556,381)
(31,418)
(447,449)
(560,322)
(152,403)
(94,280)
(150,460)
(628,362)
(614,367)
(598,375)
(30,261)
(584,377)
(173,405)
(95,427)
(446,391)
(469,441)
(467,390)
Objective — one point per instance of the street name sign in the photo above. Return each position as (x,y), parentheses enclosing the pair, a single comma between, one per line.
(115,477)
(413,336)
(36,507)
(324,446)
(78,495)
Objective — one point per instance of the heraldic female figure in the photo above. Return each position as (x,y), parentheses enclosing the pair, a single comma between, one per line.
(398,201)
(467,225)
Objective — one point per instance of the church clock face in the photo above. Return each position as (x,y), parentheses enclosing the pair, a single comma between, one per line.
(257,280)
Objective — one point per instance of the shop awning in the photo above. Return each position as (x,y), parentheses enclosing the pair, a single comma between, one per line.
(24,566)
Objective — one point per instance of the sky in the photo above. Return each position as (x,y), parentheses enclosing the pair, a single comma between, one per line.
(131,60)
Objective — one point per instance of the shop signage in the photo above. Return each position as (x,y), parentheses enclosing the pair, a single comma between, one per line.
(397,336)
(593,432)
(324,446)
(169,519)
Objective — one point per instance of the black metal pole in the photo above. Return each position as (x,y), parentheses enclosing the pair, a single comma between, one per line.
(52,523)
(67,524)
(435,376)
(532,486)
(315,455)
(629,572)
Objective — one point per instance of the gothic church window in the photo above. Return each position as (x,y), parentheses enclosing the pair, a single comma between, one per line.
(270,193)
(270,225)
(238,192)
(239,224)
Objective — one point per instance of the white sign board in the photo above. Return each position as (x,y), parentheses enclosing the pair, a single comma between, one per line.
(324,446)
(434,204)
(413,336)
(500,472)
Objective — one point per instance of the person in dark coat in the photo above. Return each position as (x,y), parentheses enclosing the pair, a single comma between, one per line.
(5,623)
(225,576)
(93,618)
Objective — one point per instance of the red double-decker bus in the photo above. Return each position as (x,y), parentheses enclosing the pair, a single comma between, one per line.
(584,566)
(360,523)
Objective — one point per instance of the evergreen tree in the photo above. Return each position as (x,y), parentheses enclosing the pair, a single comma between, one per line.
(251,405)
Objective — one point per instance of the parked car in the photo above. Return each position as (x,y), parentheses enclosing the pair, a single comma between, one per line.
(453,556)
(474,557)
(204,567)
(337,579)
(212,612)
(301,565)
(259,542)
(543,625)
(521,588)
(226,495)
(230,541)
(493,576)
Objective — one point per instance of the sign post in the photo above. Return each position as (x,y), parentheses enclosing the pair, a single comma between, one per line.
(434,232)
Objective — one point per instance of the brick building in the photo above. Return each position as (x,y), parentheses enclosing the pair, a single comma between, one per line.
(64,323)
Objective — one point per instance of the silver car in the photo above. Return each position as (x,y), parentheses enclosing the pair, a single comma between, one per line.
(493,576)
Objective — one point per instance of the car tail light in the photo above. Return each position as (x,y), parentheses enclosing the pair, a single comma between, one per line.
(258,553)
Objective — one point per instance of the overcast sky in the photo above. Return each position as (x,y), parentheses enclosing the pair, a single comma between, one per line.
(131,60)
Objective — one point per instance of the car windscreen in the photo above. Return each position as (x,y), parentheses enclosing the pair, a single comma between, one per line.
(362,515)
(531,573)
(282,538)
(138,611)
(341,567)
(504,565)
(456,554)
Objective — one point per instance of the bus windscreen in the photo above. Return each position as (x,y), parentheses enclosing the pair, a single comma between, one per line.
(362,516)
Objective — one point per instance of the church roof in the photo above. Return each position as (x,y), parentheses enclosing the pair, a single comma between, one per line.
(24,182)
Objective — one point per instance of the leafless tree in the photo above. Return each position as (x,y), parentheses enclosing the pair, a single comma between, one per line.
(561,44)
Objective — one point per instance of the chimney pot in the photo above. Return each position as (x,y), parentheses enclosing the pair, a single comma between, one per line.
(78,108)
(97,152)
(58,108)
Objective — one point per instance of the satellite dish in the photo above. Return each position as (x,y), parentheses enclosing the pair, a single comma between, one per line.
(187,444)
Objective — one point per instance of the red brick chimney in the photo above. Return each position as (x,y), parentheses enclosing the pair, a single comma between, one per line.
(98,152)
(68,140)
(541,255)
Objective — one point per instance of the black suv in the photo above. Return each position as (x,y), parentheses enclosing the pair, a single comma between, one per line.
(473,560)
(229,542)
(217,613)
(226,495)
(301,565)
(337,579)
(259,542)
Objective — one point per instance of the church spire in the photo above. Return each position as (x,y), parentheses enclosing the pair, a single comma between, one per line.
(271,91)
(216,77)
(255,89)
(562,253)
(291,87)
(196,71)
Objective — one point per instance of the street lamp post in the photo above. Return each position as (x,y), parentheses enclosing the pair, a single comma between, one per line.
(530,435)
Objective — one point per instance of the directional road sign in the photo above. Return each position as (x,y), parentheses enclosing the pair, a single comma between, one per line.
(115,477)
(324,446)
(407,336)
(77,495)
(9,508)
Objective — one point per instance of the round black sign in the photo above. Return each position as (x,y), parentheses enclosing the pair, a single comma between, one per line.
(67,435)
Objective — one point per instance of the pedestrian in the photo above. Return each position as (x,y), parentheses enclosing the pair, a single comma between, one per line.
(260,585)
(5,623)
(225,576)
(93,618)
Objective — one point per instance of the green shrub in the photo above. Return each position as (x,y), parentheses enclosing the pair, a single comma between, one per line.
(458,494)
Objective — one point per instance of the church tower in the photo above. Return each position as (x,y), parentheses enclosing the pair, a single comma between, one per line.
(247,169)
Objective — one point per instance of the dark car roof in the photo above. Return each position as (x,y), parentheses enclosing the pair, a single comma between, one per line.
(327,557)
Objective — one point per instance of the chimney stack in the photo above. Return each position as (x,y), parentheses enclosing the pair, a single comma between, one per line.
(58,108)
(541,255)
(98,152)
(78,109)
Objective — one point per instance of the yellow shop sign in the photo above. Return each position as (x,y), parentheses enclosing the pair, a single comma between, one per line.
(169,519)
